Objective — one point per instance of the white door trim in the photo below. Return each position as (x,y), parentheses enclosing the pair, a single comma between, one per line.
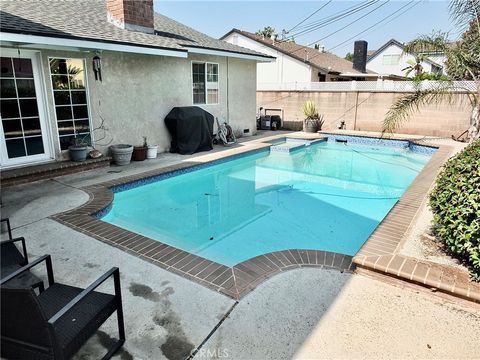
(5,162)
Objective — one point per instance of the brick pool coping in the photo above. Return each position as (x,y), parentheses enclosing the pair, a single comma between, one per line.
(380,252)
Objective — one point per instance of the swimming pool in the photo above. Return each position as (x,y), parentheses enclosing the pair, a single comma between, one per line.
(326,196)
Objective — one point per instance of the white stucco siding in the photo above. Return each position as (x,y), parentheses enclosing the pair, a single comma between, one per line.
(283,69)
(138,91)
(378,65)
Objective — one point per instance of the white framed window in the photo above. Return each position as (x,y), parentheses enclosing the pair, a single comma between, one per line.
(205,83)
(437,69)
(70,98)
(391,59)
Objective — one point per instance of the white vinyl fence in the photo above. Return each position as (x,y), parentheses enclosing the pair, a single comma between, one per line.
(379,85)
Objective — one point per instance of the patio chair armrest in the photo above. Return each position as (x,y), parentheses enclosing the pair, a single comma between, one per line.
(24,247)
(48,263)
(9,228)
(77,299)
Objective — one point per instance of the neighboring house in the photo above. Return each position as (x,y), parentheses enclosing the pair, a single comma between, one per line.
(391,59)
(296,63)
(67,64)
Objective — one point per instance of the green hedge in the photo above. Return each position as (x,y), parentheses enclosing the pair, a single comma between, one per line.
(455,202)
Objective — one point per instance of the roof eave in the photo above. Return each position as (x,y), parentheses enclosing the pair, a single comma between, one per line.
(54,42)
(228,53)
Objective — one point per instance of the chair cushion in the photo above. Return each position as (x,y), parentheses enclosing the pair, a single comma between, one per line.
(79,324)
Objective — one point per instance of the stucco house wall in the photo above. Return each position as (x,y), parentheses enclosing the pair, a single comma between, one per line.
(284,69)
(376,63)
(138,91)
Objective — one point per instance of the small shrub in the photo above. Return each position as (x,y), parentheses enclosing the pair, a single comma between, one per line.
(310,110)
(455,202)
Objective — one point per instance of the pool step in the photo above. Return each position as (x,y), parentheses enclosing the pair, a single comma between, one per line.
(293,144)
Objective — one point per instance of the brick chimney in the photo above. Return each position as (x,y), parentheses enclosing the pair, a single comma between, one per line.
(135,15)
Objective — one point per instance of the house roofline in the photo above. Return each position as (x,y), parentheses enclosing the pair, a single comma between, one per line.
(240,32)
(228,53)
(401,46)
(298,58)
(64,42)
(230,32)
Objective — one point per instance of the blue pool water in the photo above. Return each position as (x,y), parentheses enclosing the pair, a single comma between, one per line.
(328,196)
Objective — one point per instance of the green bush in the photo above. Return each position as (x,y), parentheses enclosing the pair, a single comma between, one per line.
(455,202)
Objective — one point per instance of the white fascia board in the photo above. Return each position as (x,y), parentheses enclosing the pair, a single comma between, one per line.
(203,51)
(361,75)
(62,43)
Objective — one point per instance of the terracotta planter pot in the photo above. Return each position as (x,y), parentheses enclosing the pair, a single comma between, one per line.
(139,153)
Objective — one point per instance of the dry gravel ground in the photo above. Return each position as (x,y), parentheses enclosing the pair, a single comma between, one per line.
(419,242)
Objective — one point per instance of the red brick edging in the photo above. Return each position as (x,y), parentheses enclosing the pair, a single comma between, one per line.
(236,281)
(381,252)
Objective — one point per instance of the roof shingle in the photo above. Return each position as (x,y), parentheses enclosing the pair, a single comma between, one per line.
(325,61)
(87,20)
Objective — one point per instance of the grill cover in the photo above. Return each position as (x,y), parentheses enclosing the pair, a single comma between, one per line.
(191,129)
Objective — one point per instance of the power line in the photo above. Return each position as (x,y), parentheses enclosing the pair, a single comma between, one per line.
(334,18)
(352,22)
(308,17)
(334,15)
(344,27)
(374,25)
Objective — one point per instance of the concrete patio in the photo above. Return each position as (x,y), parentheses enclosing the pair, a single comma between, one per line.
(304,313)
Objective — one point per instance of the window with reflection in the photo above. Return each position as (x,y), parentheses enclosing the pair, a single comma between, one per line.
(205,83)
(70,98)
(19,108)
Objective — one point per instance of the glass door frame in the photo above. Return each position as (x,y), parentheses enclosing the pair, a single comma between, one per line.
(40,94)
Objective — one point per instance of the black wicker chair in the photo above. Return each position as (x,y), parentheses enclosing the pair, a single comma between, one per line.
(9,228)
(57,322)
(12,259)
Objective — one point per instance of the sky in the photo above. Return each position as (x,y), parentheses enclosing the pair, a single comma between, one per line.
(413,18)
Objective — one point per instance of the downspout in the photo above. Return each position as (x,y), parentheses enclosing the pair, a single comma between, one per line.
(228,98)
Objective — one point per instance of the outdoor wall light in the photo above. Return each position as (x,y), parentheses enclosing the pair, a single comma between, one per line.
(97,66)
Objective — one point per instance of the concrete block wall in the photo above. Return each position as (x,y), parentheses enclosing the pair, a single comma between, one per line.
(366,111)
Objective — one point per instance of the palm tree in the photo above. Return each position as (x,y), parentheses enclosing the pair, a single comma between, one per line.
(463,63)
(415,65)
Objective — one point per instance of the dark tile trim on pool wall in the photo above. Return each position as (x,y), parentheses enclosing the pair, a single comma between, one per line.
(240,279)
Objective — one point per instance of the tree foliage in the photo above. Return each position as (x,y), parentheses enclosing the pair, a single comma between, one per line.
(455,202)
(463,63)
(349,56)
(469,46)
(267,31)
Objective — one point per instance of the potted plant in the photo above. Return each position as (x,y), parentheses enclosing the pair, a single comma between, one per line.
(78,150)
(152,151)
(313,122)
(121,153)
(140,152)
